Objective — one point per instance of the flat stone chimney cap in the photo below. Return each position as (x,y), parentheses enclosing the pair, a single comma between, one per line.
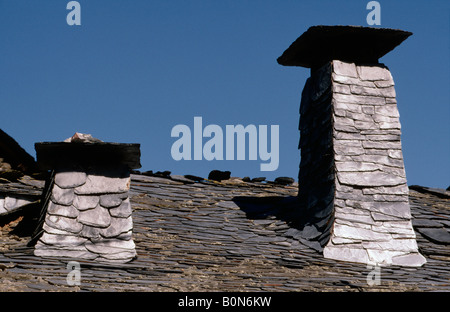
(353,44)
(51,155)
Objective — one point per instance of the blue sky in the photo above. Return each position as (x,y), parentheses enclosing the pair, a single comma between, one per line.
(135,69)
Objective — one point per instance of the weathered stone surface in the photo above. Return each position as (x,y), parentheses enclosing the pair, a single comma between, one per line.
(90,232)
(426,223)
(364,125)
(110,246)
(394,209)
(352,81)
(370,179)
(63,223)
(347,136)
(348,150)
(396,154)
(413,260)
(359,99)
(2,208)
(382,145)
(390,125)
(125,236)
(62,196)
(374,72)
(388,92)
(370,110)
(346,253)
(389,110)
(384,217)
(60,210)
(97,217)
(341,88)
(384,119)
(52,230)
(436,235)
(402,245)
(62,240)
(359,90)
(85,202)
(12,203)
(381,159)
(356,217)
(361,117)
(122,211)
(344,69)
(70,179)
(356,166)
(47,251)
(351,232)
(384,83)
(110,200)
(117,226)
(96,184)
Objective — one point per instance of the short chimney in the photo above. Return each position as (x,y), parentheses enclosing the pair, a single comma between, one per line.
(87,209)
(352,183)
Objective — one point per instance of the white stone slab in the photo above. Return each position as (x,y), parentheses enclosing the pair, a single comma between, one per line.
(12,203)
(62,240)
(123,211)
(62,196)
(96,184)
(70,179)
(345,69)
(117,227)
(63,223)
(110,246)
(60,210)
(97,217)
(370,179)
(373,73)
(356,233)
(345,253)
(85,202)
(412,260)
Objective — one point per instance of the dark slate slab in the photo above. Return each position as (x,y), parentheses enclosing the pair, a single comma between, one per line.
(426,223)
(436,235)
(218,175)
(354,44)
(52,155)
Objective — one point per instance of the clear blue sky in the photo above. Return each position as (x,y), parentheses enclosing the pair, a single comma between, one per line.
(135,69)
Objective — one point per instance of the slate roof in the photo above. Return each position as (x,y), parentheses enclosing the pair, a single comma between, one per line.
(225,236)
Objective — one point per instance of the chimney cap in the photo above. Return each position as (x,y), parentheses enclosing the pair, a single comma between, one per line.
(51,155)
(355,44)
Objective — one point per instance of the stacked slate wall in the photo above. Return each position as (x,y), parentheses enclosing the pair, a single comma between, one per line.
(351,151)
(88,216)
(316,174)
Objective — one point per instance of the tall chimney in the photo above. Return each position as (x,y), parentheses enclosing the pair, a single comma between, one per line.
(352,183)
(87,210)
